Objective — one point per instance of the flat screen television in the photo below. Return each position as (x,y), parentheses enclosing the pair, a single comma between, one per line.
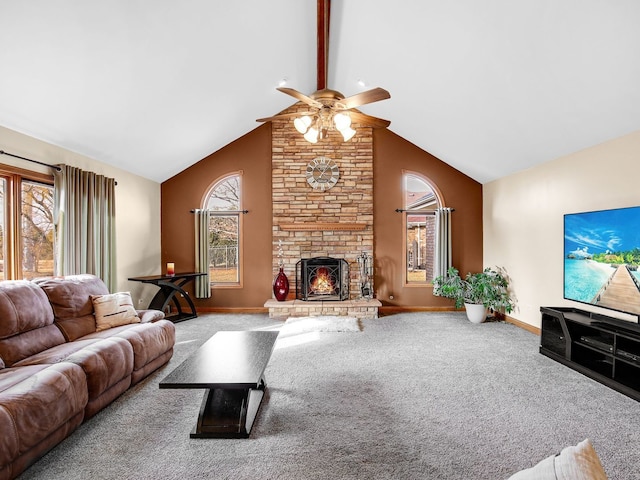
(602,259)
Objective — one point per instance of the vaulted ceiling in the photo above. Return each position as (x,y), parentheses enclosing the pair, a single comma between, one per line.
(491,87)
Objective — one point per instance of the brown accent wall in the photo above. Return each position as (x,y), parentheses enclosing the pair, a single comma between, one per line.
(264,160)
(185,192)
(392,156)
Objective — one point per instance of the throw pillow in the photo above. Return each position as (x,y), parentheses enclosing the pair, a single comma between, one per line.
(113,310)
(578,462)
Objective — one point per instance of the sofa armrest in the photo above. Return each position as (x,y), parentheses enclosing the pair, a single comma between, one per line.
(147,316)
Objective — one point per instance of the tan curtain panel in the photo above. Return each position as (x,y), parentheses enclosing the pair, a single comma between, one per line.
(203,288)
(85,223)
(442,260)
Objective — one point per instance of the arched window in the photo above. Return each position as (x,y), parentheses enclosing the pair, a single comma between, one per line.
(225,225)
(420,202)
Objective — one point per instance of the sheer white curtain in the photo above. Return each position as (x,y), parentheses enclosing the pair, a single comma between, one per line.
(85,224)
(203,289)
(442,260)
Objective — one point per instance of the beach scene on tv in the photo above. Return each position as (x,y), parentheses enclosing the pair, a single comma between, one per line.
(602,258)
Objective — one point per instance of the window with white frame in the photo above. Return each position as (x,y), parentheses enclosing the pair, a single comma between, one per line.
(420,203)
(225,225)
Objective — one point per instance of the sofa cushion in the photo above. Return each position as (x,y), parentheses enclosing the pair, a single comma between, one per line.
(104,361)
(35,401)
(12,376)
(56,354)
(578,462)
(26,325)
(23,307)
(149,341)
(14,349)
(70,298)
(113,310)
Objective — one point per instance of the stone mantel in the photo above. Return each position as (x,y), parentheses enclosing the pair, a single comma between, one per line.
(322,226)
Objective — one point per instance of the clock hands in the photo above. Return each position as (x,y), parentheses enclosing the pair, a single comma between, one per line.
(321,176)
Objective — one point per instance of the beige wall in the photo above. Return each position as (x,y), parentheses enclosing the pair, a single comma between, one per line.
(523,217)
(137,207)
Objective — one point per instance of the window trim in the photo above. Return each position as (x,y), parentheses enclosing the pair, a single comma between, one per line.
(405,214)
(14,177)
(239,214)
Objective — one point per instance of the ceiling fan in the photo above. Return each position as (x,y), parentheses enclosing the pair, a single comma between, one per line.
(329,108)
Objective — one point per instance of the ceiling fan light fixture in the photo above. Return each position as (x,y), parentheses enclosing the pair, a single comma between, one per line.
(302,123)
(341,121)
(347,133)
(329,109)
(312,135)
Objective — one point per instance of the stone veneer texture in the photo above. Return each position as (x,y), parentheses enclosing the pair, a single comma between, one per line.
(349,202)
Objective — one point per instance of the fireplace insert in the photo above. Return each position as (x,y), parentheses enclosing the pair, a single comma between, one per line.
(322,278)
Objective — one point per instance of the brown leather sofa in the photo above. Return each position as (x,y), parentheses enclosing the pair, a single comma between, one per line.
(57,370)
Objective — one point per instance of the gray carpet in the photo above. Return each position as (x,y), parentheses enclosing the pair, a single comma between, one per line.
(412,396)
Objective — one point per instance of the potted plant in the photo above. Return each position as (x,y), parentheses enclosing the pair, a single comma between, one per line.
(477,292)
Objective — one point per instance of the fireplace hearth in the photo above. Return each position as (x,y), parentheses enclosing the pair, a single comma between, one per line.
(322,278)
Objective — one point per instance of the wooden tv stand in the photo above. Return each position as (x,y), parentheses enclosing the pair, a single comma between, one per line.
(601,347)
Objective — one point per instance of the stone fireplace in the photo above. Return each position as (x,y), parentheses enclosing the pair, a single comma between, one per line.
(312,223)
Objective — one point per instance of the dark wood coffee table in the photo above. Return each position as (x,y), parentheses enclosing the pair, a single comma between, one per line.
(230,367)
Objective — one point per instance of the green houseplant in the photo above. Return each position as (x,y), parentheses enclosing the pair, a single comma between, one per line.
(488,289)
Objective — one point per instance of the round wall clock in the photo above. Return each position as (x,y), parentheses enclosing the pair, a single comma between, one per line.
(322,173)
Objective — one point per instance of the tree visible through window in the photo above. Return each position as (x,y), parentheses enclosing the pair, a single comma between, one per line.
(37,229)
(26,227)
(223,201)
(420,204)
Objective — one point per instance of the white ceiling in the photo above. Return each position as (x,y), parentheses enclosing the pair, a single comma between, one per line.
(491,87)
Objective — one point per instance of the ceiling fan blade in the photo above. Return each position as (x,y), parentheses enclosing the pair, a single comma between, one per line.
(370,96)
(284,115)
(368,120)
(300,96)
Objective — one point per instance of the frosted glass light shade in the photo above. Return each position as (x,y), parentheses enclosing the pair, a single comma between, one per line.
(311,136)
(347,133)
(341,121)
(302,123)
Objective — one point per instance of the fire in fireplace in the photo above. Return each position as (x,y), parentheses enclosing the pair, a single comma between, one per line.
(322,278)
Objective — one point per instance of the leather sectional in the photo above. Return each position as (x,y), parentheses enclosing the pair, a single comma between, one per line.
(57,370)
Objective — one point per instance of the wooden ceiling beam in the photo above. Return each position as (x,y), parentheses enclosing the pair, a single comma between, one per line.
(324,16)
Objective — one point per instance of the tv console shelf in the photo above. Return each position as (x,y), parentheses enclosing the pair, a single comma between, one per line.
(604,348)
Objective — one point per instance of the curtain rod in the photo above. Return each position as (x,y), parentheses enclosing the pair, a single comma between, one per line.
(2,152)
(429,212)
(224,212)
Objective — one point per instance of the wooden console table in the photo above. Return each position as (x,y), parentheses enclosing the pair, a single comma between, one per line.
(230,367)
(170,286)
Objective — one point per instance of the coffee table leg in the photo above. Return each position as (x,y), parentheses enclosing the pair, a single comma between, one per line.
(228,413)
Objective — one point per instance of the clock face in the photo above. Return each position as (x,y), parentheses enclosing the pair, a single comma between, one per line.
(322,173)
